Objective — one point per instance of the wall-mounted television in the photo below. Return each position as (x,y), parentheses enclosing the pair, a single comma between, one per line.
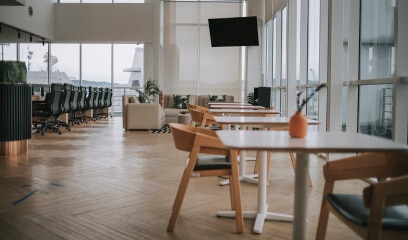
(237,31)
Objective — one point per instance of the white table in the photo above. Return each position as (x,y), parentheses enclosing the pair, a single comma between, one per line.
(260,122)
(314,142)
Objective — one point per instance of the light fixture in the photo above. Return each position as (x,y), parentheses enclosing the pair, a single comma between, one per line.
(43,41)
(31,37)
(18,34)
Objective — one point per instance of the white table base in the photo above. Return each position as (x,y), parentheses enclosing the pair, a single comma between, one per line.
(262,214)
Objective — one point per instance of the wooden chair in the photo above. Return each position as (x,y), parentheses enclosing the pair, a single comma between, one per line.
(381,211)
(199,141)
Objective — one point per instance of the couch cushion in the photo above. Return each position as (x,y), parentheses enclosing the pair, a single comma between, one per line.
(133,99)
(180,101)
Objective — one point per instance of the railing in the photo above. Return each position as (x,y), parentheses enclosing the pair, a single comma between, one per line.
(118,92)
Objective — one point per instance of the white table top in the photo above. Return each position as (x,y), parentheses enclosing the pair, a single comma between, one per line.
(280,141)
(244,111)
(275,121)
(236,106)
(229,103)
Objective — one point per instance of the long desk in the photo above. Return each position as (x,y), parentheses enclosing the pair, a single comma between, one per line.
(314,142)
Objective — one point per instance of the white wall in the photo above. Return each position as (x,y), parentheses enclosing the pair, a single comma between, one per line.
(40,23)
(114,23)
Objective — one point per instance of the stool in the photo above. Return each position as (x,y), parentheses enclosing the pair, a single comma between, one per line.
(184,118)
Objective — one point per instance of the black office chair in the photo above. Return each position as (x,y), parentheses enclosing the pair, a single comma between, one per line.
(82,105)
(90,102)
(74,106)
(108,101)
(51,109)
(66,105)
(95,104)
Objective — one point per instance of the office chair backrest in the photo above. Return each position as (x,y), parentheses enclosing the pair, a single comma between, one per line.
(109,97)
(75,98)
(96,98)
(102,96)
(82,98)
(67,97)
(90,98)
(56,105)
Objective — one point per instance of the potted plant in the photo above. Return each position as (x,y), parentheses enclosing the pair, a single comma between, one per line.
(298,122)
(150,89)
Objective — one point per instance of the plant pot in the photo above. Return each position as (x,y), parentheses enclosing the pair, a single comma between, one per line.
(298,125)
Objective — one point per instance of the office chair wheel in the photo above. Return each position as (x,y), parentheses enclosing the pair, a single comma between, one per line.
(59,132)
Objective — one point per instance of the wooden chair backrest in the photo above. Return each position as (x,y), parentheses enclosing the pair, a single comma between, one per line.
(191,106)
(183,136)
(196,116)
(201,108)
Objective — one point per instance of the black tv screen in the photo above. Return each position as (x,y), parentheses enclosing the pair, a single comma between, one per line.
(229,32)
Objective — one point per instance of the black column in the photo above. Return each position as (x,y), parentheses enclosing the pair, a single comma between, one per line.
(15,112)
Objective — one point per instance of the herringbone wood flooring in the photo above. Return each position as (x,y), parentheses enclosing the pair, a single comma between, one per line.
(100,182)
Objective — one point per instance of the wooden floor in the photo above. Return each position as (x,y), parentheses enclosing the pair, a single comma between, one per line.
(101,182)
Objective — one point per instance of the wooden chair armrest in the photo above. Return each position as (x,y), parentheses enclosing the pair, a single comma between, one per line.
(367,165)
(394,191)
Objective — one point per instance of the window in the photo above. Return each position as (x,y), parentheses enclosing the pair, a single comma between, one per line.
(377,58)
(35,55)
(65,63)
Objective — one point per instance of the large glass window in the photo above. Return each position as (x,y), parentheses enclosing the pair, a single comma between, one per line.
(377,58)
(96,65)
(65,63)
(377,39)
(194,67)
(375,110)
(35,55)
(8,51)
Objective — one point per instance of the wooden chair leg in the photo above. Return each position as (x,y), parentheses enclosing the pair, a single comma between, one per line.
(182,190)
(234,179)
(293,159)
(232,193)
(324,213)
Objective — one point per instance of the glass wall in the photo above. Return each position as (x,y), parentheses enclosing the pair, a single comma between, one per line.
(193,66)
(377,58)
(65,63)
(35,55)
(8,51)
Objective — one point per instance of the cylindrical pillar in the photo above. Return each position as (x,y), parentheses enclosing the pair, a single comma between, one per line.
(15,118)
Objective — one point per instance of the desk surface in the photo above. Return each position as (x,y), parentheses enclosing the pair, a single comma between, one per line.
(234,106)
(229,103)
(275,121)
(245,111)
(313,142)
